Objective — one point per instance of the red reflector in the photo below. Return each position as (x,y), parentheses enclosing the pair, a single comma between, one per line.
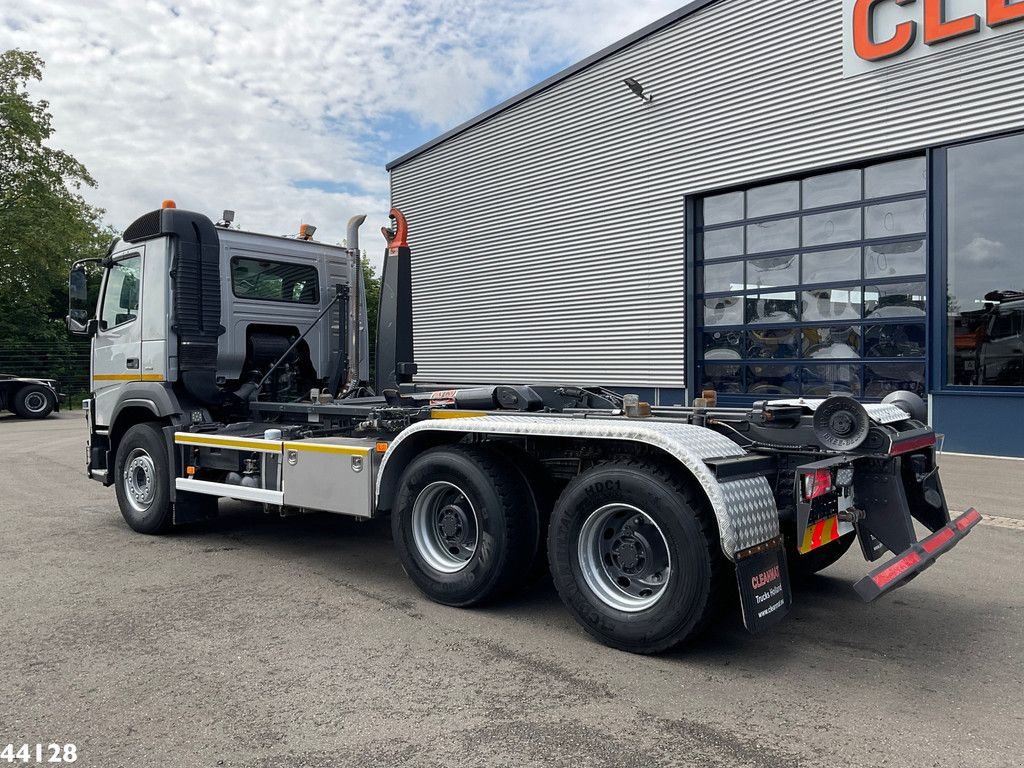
(906,446)
(936,540)
(968,519)
(896,570)
(817,484)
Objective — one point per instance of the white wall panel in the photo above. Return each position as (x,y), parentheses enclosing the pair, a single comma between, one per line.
(548,239)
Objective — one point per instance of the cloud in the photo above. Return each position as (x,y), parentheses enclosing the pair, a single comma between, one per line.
(286,111)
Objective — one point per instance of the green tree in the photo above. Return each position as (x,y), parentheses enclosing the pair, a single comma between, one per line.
(372,284)
(45,223)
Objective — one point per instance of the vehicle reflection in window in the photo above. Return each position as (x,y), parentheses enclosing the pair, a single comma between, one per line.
(770,380)
(772,308)
(989,343)
(895,340)
(769,343)
(896,300)
(832,343)
(725,310)
(725,379)
(723,345)
(882,378)
(832,304)
(824,380)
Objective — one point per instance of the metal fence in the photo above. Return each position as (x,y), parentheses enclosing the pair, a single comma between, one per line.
(68,362)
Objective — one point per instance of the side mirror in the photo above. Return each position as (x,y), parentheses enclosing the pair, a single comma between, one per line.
(79,310)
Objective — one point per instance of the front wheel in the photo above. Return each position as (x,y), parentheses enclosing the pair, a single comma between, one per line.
(34,402)
(141,480)
(634,556)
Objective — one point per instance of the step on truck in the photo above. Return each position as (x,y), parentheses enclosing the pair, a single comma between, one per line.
(228,364)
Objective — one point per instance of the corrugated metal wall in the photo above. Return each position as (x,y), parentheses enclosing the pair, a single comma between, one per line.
(548,241)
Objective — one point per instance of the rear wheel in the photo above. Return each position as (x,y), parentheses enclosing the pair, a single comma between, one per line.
(463,525)
(141,480)
(34,402)
(634,556)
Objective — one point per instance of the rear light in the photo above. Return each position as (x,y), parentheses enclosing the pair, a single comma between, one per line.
(896,569)
(817,484)
(912,444)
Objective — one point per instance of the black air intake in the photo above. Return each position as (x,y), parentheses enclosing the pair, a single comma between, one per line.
(195,275)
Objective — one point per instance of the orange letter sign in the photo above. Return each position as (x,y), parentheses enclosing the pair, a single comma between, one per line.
(864,42)
(938,30)
(1003,12)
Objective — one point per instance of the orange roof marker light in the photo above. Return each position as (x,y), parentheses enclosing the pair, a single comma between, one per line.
(168,204)
(306,231)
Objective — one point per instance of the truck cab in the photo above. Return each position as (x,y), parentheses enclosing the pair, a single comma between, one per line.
(189,312)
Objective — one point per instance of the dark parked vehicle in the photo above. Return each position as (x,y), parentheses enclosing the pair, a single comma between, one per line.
(28,397)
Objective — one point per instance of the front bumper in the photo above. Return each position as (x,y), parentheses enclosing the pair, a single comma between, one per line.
(905,566)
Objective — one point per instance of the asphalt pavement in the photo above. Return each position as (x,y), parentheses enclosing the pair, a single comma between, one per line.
(261,641)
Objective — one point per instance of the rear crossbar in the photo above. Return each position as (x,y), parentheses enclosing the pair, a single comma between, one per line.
(905,566)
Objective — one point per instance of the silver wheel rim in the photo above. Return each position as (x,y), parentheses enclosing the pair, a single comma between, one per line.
(624,557)
(445,528)
(139,480)
(35,402)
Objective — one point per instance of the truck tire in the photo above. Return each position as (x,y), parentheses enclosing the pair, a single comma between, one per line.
(142,481)
(463,525)
(34,402)
(635,557)
(817,559)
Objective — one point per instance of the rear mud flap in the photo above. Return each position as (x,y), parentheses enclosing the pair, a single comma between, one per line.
(763,579)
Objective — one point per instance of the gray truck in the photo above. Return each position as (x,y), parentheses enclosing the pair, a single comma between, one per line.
(28,397)
(228,364)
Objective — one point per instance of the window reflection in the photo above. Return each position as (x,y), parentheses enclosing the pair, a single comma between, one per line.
(985,294)
(723,243)
(772,380)
(895,300)
(772,308)
(895,259)
(726,310)
(833,227)
(845,293)
(721,209)
(824,380)
(772,343)
(825,304)
(882,378)
(831,266)
(895,340)
(725,379)
(773,235)
(773,271)
(832,342)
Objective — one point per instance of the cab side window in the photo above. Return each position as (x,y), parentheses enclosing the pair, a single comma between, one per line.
(121,296)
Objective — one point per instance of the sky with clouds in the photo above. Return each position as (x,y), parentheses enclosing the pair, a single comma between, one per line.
(286,111)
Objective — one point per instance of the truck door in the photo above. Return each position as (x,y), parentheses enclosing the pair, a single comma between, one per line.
(117,346)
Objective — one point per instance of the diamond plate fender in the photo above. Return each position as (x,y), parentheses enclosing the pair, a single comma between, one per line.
(745,509)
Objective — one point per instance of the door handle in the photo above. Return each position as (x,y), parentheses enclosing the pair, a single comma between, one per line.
(132,363)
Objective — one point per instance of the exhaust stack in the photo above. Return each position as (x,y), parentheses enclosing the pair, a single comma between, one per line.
(353,376)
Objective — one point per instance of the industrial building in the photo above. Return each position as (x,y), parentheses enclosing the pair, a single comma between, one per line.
(766,199)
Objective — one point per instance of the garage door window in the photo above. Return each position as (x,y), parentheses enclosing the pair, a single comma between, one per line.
(815,285)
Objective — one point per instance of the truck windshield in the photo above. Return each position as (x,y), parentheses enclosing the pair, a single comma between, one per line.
(274,281)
